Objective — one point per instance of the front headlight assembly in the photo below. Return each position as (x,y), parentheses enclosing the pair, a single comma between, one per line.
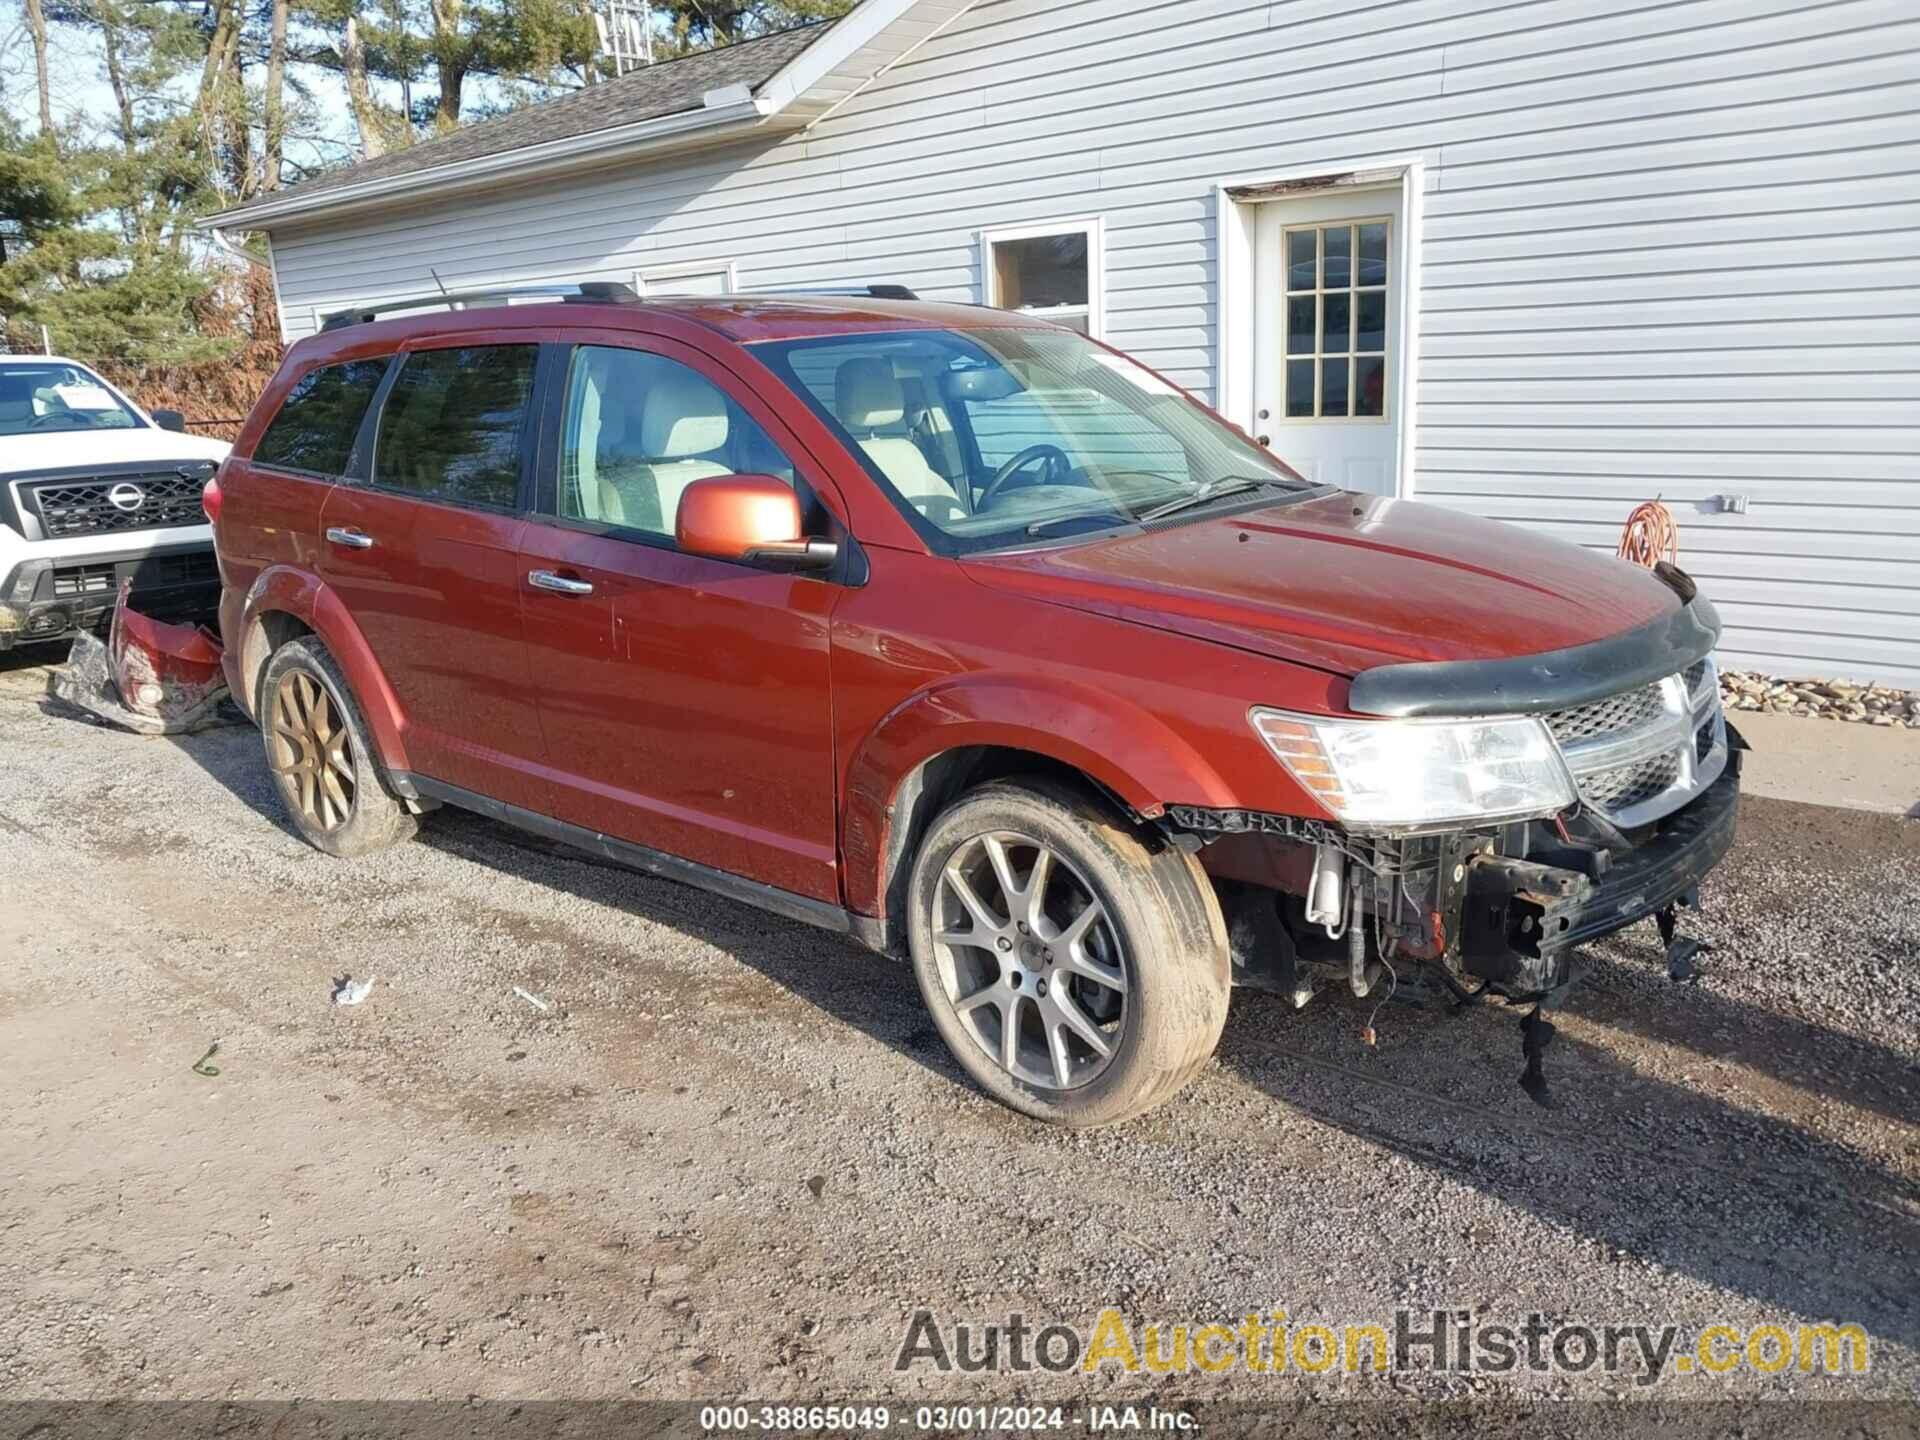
(1393,774)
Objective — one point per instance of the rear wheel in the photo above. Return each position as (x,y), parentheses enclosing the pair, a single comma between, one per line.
(1076,974)
(320,755)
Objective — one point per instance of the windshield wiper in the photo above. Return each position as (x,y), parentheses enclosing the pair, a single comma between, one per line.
(1210,490)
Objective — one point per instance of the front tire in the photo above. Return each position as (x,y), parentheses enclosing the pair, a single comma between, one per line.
(321,756)
(1077,975)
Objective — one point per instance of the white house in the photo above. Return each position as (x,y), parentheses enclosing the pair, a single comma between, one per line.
(1542,260)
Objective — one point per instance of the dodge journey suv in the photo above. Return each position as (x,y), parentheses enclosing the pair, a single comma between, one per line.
(969,637)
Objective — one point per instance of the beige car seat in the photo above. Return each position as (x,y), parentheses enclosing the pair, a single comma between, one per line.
(867,397)
(682,417)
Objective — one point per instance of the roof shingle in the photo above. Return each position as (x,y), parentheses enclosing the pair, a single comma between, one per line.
(668,88)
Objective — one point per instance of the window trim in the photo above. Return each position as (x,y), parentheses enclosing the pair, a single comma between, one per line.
(529,424)
(1353,289)
(1094,228)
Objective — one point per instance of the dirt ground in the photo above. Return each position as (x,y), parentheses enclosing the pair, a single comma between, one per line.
(732,1158)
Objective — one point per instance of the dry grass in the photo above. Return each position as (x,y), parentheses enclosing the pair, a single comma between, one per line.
(215,395)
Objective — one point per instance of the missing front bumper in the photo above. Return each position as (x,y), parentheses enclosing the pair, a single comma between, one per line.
(1521,921)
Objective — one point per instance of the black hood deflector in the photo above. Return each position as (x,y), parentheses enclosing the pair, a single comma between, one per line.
(1553,680)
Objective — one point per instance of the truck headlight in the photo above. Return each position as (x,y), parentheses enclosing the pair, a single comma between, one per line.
(1421,772)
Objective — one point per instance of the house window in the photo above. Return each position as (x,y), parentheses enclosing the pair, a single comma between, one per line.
(1055,271)
(1337,321)
(708,277)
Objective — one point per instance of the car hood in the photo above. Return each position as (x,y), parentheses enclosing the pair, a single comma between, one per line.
(1346,582)
(65,450)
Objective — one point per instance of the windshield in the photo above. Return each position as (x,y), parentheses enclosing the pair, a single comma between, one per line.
(998,437)
(40,399)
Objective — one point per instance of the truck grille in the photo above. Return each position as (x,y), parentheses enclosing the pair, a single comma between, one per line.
(1645,752)
(103,505)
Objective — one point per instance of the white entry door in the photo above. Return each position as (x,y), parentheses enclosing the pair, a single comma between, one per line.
(1330,281)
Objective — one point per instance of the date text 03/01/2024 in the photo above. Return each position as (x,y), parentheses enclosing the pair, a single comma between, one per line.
(869,1419)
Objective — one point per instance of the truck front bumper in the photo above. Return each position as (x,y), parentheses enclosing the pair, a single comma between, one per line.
(52,599)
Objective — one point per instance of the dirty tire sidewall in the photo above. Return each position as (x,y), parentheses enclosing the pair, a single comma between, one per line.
(379,819)
(1172,931)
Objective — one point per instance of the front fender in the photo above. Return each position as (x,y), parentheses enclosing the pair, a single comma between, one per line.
(1118,744)
(299,593)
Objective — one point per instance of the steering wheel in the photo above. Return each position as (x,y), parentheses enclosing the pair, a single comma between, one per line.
(1056,468)
(58,416)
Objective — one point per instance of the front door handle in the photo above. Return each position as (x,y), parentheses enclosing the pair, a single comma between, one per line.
(352,539)
(559,584)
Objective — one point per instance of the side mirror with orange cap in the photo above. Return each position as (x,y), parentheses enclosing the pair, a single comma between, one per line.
(747,517)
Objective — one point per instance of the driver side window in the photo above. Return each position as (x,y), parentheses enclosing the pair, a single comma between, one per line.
(640,428)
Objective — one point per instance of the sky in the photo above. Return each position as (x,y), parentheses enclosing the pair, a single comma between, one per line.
(78,74)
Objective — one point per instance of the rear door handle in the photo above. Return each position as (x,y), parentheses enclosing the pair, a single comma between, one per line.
(352,539)
(559,584)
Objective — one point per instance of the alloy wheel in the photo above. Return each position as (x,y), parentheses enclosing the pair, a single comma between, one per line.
(311,751)
(1030,959)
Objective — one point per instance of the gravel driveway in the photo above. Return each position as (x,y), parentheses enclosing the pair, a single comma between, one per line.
(731,1159)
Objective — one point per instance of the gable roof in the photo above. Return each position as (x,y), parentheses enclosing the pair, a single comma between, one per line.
(782,81)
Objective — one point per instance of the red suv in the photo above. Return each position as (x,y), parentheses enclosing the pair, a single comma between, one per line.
(970,637)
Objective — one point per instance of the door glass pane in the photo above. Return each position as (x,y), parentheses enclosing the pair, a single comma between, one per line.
(317,423)
(1333,387)
(1370,385)
(1300,324)
(1300,387)
(1041,271)
(452,424)
(639,429)
(1338,313)
(1300,260)
(1338,272)
(1370,333)
(1373,255)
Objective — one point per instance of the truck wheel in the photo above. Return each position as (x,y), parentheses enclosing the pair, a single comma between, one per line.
(322,760)
(1076,974)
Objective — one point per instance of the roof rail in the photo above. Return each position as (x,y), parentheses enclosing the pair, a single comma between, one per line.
(871,292)
(587,292)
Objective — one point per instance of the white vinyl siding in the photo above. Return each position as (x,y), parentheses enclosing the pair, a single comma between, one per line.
(1665,250)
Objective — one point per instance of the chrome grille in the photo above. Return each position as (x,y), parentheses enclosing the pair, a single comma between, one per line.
(1628,785)
(156,500)
(1645,752)
(1624,711)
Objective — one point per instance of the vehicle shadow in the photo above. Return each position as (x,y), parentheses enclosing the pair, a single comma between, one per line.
(226,748)
(844,980)
(1674,1171)
(1676,1168)
(1678,1174)
(29,657)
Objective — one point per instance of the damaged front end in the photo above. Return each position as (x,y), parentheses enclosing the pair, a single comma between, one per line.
(149,675)
(1500,910)
(1647,785)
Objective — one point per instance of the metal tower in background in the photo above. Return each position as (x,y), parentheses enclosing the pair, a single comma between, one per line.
(626,34)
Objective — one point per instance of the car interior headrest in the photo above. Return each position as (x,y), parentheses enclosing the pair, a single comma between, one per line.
(682,415)
(866,395)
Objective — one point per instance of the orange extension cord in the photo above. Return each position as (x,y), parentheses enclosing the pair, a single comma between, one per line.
(1651,536)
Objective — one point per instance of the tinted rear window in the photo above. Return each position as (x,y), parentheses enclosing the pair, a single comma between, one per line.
(320,417)
(452,424)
